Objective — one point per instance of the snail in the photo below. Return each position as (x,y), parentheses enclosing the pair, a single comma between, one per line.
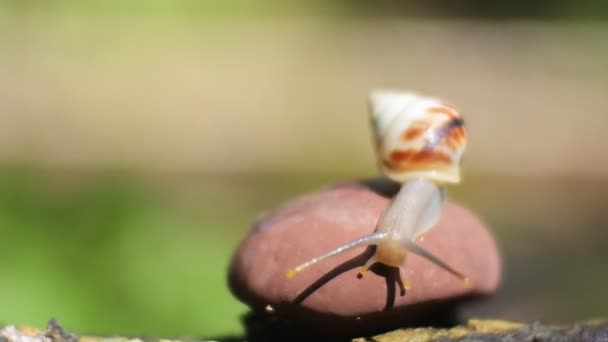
(419,142)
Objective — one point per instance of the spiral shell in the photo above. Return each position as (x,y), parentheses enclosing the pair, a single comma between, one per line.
(417,137)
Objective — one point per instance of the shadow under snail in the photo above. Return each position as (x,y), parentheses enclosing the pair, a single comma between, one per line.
(419,143)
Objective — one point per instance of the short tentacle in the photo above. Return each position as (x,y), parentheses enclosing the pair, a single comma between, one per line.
(405,283)
(367,265)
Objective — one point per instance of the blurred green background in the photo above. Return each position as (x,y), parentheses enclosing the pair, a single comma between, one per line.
(140,139)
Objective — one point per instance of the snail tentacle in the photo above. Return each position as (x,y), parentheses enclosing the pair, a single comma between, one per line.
(371,261)
(417,249)
(371,239)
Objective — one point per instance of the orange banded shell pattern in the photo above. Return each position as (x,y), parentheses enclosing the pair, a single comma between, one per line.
(417,137)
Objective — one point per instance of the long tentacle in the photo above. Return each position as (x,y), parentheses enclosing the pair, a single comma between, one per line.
(364,241)
(415,248)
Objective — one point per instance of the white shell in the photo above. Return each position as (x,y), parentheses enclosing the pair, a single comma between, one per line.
(417,137)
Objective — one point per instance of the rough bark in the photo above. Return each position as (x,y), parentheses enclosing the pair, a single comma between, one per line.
(474,330)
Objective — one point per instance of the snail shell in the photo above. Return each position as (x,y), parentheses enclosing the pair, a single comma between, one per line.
(417,137)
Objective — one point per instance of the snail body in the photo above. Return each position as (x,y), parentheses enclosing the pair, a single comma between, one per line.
(419,143)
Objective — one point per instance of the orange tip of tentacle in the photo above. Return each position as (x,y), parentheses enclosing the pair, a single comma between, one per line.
(290,273)
(467,282)
(407,286)
(362,271)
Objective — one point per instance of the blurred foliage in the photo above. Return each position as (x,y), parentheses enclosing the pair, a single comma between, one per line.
(109,254)
(506,9)
(501,9)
